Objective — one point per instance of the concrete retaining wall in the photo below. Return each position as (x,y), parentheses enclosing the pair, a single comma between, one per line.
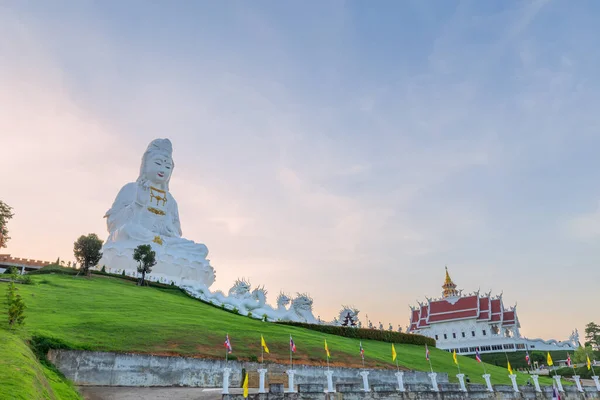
(451,392)
(117,369)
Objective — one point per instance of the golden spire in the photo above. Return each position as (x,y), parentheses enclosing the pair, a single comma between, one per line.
(449,286)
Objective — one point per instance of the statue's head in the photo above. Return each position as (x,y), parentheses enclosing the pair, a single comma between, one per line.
(157,164)
(283,299)
(302,302)
(240,287)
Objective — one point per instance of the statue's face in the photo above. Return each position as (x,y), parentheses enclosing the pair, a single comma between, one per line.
(159,168)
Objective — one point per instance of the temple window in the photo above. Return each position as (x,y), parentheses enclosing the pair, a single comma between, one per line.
(463,334)
(445,336)
(436,337)
(453,335)
(484,332)
(473,333)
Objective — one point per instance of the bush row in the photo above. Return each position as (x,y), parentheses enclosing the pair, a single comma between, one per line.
(372,334)
(583,372)
(54,269)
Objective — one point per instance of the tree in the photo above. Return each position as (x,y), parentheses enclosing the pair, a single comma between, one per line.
(15,304)
(87,252)
(592,334)
(146,257)
(580,355)
(5,215)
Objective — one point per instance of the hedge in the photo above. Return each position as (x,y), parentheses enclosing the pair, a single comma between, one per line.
(54,269)
(373,334)
(582,371)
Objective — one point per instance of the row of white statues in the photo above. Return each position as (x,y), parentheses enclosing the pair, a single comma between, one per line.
(145,212)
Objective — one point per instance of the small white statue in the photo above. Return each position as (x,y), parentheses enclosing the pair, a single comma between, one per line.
(380,326)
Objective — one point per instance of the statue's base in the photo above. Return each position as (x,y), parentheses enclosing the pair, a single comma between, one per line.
(168,269)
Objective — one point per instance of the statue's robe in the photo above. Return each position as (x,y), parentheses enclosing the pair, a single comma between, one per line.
(127,221)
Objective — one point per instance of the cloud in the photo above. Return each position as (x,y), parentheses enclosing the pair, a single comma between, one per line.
(585,227)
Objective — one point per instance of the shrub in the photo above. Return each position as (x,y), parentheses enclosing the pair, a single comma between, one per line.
(40,345)
(253,358)
(53,269)
(235,310)
(373,334)
(15,305)
(103,268)
(11,271)
(582,371)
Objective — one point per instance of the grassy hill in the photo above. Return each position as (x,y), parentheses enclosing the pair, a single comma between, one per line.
(110,314)
(23,377)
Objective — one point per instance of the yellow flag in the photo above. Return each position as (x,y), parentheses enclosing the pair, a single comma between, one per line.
(245,386)
(510,371)
(327,349)
(589,363)
(549,361)
(264,344)
(393,352)
(454,357)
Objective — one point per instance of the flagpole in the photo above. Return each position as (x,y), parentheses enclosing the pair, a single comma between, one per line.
(457,364)
(587,357)
(429,358)
(430,366)
(291,357)
(226,349)
(572,365)
(507,361)
(530,360)
(262,354)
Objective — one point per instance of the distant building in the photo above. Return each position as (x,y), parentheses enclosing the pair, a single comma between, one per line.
(468,322)
(23,264)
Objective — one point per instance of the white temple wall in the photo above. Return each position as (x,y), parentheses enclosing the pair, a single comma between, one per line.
(487,342)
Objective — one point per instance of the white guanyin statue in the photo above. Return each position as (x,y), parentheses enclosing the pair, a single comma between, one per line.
(145,212)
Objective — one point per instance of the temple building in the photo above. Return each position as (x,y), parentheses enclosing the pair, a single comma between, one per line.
(22,264)
(468,322)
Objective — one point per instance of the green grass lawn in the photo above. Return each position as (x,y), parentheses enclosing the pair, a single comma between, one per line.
(109,314)
(23,377)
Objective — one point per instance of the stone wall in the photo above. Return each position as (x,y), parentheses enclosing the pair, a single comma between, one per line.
(7,261)
(118,369)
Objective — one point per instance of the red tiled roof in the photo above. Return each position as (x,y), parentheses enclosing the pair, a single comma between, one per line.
(443,306)
(423,317)
(509,317)
(454,315)
(496,306)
